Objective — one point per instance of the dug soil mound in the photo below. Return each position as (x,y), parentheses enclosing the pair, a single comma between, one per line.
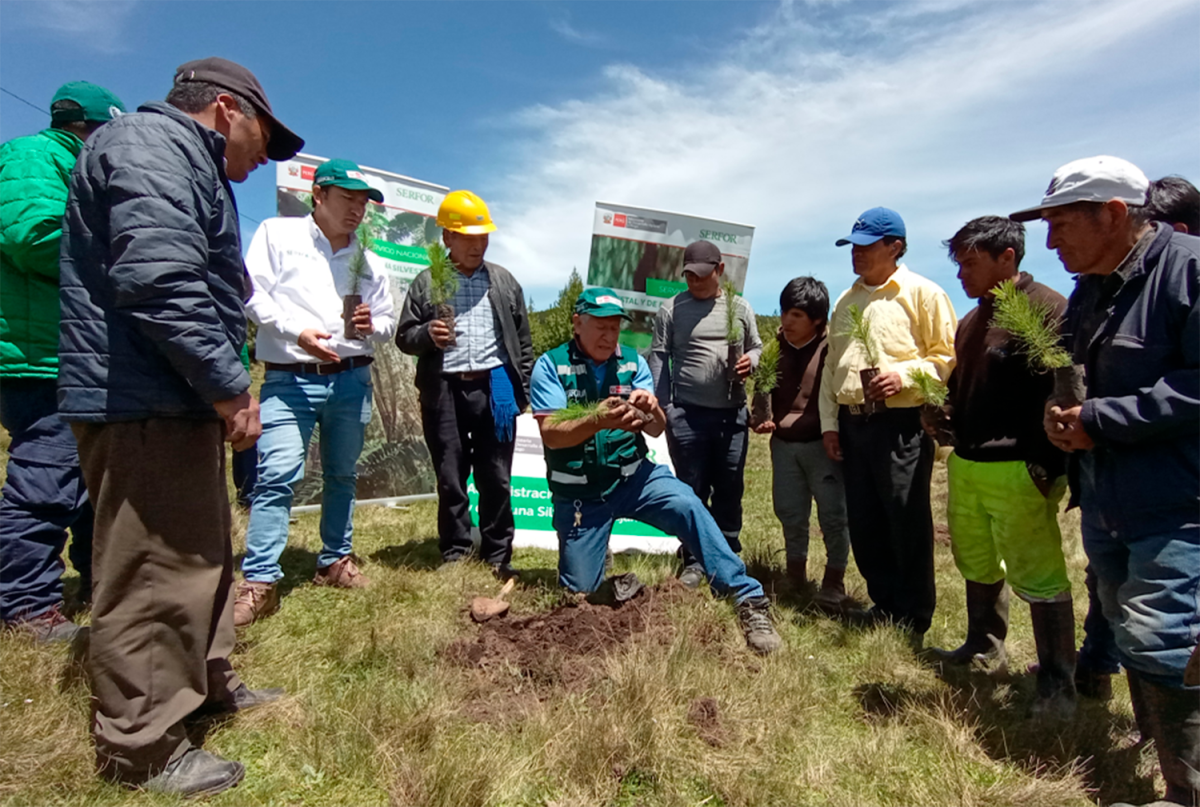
(561,647)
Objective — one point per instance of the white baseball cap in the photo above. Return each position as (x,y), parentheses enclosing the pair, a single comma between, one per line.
(1092,179)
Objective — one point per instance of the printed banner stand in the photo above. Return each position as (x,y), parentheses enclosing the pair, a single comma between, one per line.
(533,510)
(639,254)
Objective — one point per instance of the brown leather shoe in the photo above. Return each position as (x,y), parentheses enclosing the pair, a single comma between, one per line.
(342,573)
(254,601)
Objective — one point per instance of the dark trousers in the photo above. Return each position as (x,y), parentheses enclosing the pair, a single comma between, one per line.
(461,435)
(162,609)
(708,449)
(44,496)
(887,463)
(245,473)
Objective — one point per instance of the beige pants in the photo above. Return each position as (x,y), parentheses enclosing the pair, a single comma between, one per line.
(162,607)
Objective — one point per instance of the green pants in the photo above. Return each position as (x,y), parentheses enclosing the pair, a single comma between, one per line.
(1000,521)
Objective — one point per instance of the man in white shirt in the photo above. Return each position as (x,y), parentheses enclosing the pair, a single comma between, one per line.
(301,270)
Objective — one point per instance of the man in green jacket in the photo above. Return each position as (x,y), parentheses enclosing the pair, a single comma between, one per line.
(43,494)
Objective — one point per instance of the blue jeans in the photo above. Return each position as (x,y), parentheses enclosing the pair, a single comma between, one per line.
(1149,588)
(44,496)
(653,496)
(708,449)
(1098,653)
(292,405)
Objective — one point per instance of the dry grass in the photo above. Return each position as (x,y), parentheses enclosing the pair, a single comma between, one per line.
(679,714)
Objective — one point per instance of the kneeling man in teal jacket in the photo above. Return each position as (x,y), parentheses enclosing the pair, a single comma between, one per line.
(598,469)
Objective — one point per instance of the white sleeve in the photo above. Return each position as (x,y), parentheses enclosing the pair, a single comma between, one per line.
(262,308)
(383,309)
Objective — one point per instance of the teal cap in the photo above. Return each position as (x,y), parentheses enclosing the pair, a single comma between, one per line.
(601,302)
(97,104)
(345,174)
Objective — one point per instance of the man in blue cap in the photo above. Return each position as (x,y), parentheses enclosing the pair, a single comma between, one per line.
(598,471)
(301,269)
(887,325)
(44,493)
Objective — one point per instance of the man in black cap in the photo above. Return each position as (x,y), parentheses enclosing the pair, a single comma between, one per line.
(707,421)
(150,378)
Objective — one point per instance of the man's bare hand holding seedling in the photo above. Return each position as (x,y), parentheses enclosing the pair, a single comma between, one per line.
(884,386)
(242,426)
(743,367)
(362,320)
(311,341)
(1065,429)
(439,333)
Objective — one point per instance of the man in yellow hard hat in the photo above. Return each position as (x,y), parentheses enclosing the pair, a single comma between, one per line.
(472,387)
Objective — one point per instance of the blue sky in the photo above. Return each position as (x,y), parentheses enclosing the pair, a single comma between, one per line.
(793,117)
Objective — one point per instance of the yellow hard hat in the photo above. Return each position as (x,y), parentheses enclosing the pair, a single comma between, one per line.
(464,212)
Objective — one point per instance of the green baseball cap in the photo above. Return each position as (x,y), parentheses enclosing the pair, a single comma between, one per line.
(601,302)
(345,174)
(96,103)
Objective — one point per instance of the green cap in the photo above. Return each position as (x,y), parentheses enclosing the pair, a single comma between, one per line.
(97,104)
(601,302)
(345,174)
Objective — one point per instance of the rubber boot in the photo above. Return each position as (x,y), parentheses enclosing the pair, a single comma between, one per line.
(797,572)
(831,597)
(987,628)
(1170,717)
(1054,636)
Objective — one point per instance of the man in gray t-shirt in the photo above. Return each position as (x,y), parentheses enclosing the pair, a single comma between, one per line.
(706,411)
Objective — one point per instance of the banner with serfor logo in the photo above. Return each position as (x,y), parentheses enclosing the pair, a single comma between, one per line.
(395,463)
(639,253)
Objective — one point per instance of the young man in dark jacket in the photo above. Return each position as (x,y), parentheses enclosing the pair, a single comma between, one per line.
(801,471)
(1005,478)
(151,380)
(471,390)
(44,492)
(1133,327)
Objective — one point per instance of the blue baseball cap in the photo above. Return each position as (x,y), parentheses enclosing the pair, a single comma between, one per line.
(873,225)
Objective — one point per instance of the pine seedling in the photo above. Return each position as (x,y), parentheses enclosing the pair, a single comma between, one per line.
(1032,324)
(576,411)
(359,269)
(733,328)
(443,279)
(932,389)
(859,331)
(766,374)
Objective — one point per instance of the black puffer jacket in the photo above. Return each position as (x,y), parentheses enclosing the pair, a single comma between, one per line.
(152,280)
(508,310)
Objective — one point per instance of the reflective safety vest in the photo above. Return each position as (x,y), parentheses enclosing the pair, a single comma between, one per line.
(593,468)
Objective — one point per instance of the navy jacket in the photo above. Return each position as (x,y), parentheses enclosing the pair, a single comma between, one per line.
(1143,391)
(152,281)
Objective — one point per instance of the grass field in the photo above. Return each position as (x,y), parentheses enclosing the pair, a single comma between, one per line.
(395,697)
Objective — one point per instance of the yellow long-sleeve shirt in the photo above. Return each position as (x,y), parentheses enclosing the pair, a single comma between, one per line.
(913,324)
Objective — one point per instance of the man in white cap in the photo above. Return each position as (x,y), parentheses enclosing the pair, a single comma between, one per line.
(1133,327)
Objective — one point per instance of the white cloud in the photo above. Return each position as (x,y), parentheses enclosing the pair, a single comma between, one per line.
(562,26)
(944,110)
(94,24)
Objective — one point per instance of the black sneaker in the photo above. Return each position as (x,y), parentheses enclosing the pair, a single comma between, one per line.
(692,576)
(48,626)
(754,616)
(195,772)
(239,700)
(504,572)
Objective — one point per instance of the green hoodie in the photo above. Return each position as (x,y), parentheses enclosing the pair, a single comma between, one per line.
(33,198)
